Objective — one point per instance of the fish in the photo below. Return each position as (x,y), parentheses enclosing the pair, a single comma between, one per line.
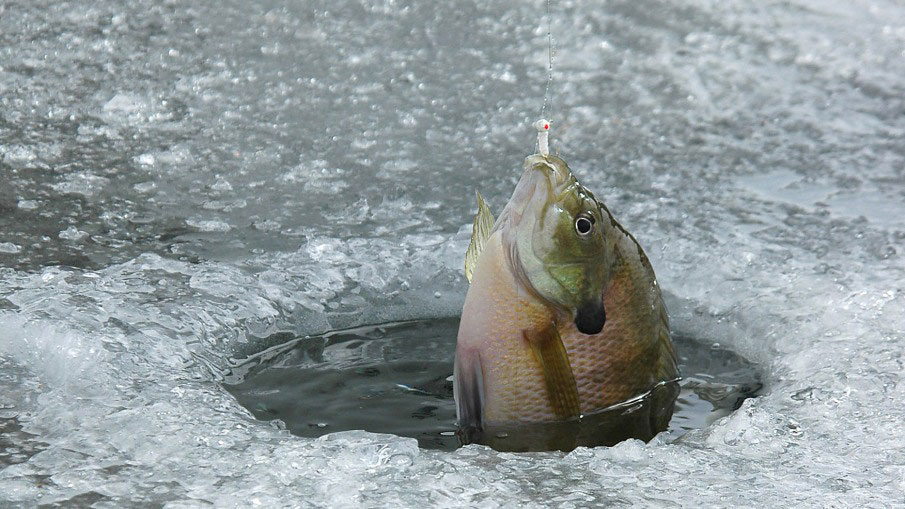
(563,316)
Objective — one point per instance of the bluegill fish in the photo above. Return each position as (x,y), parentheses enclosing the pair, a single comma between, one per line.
(563,316)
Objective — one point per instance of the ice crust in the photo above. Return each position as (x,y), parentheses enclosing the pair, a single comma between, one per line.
(180,182)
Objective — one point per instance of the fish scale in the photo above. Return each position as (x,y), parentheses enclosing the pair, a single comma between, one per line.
(616,364)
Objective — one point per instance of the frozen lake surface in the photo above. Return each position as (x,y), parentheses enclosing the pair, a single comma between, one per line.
(179,180)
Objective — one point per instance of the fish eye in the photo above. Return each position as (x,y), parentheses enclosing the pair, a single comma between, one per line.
(584,224)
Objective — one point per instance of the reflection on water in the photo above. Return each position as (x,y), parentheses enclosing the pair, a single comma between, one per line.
(396,378)
(642,418)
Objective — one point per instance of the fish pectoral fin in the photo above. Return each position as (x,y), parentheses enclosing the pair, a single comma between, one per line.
(468,389)
(554,362)
(483,223)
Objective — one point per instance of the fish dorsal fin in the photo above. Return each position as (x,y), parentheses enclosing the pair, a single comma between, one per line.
(483,222)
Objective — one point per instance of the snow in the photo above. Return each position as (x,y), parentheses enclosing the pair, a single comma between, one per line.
(181,182)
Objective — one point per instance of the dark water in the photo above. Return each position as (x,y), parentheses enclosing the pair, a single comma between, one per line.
(396,378)
(16,446)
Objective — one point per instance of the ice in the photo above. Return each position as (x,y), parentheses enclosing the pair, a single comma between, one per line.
(9,247)
(125,104)
(179,184)
(17,155)
(144,187)
(267,225)
(222,185)
(209,225)
(146,159)
(73,234)
(84,184)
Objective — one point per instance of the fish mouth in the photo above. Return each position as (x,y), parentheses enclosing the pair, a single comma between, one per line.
(556,170)
(543,182)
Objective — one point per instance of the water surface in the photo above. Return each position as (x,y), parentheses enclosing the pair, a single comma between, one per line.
(397,378)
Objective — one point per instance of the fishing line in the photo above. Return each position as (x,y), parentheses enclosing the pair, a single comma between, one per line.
(549,89)
(543,125)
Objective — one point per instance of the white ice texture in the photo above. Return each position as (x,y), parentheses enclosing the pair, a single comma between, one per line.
(182,180)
